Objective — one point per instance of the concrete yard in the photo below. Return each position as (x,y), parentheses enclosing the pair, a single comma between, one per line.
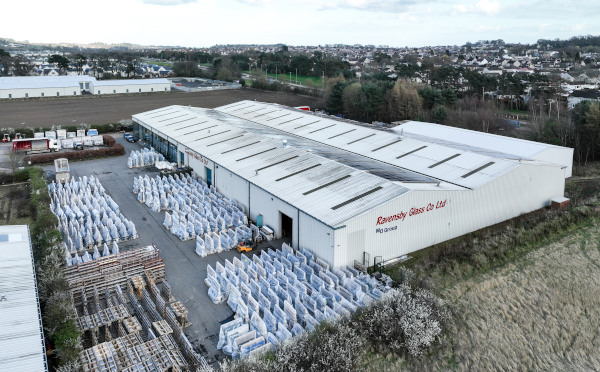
(185,270)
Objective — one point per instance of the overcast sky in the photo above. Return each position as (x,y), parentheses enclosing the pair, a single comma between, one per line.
(198,23)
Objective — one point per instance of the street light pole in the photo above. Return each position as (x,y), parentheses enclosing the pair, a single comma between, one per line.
(296,76)
(290,77)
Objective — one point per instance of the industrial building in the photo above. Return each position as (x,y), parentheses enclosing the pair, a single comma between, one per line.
(21,333)
(60,86)
(350,192)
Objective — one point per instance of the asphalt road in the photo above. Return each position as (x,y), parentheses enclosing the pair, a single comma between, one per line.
(45,112)
(185,270)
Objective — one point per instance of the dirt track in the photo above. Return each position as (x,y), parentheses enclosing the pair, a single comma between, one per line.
(46,112)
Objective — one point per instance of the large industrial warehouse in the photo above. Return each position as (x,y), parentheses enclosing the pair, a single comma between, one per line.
(350,192)
(60,86)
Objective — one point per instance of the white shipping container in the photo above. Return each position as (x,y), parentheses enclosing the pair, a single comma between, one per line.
(87,141)
(71,134)
(38,135)
(67,143)
(50,134)
(61,134)
(80,132)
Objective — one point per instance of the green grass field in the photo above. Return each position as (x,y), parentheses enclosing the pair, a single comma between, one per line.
(159,63)
(301,80)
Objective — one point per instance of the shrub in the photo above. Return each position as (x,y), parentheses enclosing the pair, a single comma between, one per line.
(405,320)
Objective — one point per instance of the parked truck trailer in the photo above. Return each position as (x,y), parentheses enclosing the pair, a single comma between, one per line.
(35,145)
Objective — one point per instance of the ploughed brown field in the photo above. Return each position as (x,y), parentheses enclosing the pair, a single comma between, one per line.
(45,112)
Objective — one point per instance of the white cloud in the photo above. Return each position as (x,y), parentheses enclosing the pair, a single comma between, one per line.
(484,28)
(167,2)
(488,7)
(459,9)
(483,6)
(255,2)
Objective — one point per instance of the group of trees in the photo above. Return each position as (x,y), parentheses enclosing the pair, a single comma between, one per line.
(16,64)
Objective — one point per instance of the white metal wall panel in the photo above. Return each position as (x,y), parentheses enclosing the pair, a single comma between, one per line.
(558,155)
(317,238)
(270,207)
(526,189)
(232,186)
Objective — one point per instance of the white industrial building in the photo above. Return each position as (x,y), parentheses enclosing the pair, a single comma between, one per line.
(350,192)
(60,86)
(21,333)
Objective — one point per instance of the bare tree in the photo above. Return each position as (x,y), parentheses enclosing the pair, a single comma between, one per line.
(15,159)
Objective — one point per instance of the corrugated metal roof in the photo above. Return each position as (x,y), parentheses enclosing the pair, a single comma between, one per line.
(485,143)
(98,83)
(21,337)
(39,82)
(402,153)
(285,171)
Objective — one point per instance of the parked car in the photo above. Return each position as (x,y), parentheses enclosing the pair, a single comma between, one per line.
(129,137)
(78,146)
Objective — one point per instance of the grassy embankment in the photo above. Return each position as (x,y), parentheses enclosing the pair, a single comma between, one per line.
(525,294)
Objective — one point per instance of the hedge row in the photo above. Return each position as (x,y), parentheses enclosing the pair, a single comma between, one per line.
(113,149)
(58,313)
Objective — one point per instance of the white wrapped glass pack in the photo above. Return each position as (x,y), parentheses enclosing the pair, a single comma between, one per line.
(269,268)
(273,299)
(265,257)
(285,262)
(290,275)
(300,274)
(346,294)
(248,347)
(290,313)
(282,279)
(231,335)
(319,300)
(300,311)
(251,272)
(270,321)
(279,315)
(352,270)
(208,243)
(308,271)
(341,310)
(240,340)
(341,275)
(200,248)
(293,293)
(242,311)
(261,272)
(306,253)
(264,286)
(297,329)
(282,333)
(283,295)
(257,324)
(310,322)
